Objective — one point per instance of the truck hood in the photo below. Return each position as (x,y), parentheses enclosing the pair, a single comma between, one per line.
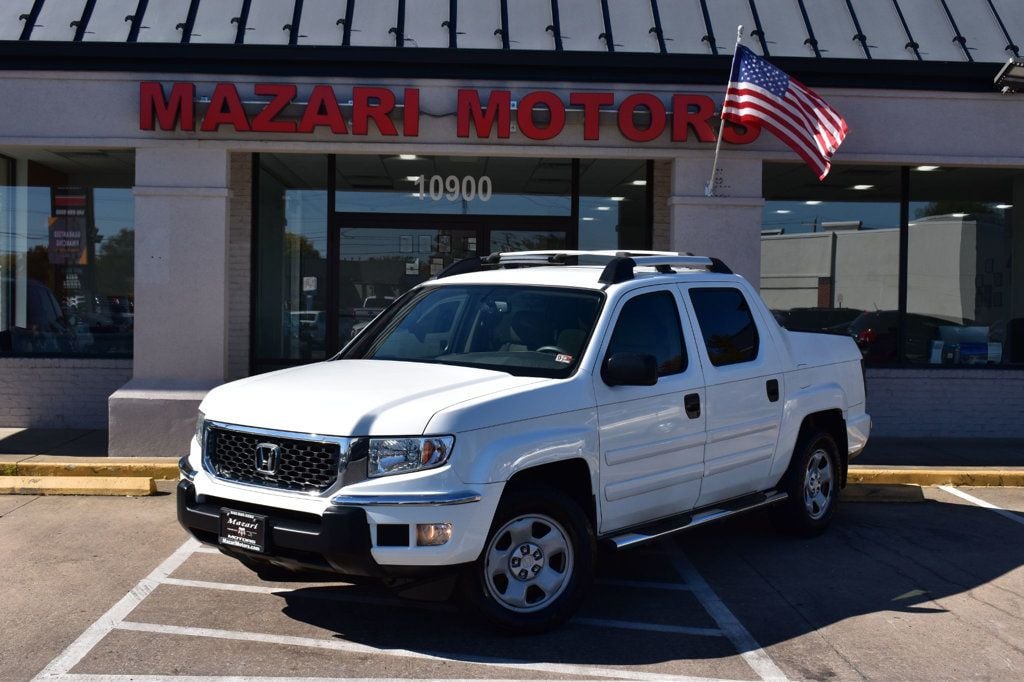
(354,397)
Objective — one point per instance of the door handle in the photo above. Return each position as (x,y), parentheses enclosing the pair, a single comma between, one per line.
(772,387)
(691,403)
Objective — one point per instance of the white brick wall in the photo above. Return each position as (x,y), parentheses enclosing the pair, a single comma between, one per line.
(662,220)
(946,402)
(59,393)
(239,265)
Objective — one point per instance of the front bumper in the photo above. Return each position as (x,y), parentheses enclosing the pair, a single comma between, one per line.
(338,541)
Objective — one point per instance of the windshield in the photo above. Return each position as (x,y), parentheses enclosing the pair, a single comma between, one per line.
(525,331)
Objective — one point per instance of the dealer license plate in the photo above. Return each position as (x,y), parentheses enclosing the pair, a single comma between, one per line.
(243,530)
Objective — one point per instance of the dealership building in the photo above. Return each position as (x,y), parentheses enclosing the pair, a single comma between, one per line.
(195,191)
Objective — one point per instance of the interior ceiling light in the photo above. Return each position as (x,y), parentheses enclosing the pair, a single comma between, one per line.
(1011,77)
(640,183)
(407,157)
(617,198)
(1003,207)
(959,215)
(588,218)
(926,169)
(862,187)
(813,202)
(604,208)
(412,178)
(783,210)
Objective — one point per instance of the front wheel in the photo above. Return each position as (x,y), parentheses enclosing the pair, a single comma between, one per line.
(536,565)
(812,484)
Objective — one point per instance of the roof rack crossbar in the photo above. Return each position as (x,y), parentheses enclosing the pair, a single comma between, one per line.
(618,268)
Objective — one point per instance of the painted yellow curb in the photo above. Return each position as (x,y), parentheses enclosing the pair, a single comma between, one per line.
(160,469)
(77,485)
(980,476)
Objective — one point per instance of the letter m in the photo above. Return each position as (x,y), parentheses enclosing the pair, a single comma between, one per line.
(178,108)
(499,110)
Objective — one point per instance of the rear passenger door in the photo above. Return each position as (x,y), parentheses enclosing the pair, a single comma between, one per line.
(744,388)
(652,437)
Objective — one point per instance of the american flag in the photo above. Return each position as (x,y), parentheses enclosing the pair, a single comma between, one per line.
(762,95)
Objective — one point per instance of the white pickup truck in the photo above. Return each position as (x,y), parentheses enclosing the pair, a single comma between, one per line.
(501,420)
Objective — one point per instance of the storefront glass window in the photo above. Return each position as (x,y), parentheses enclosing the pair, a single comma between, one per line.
(467,185)
(614,206)
(291,291)
(965,285)
(830,253)
(67,253)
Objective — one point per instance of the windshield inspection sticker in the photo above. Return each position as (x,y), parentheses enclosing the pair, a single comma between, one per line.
(563,358)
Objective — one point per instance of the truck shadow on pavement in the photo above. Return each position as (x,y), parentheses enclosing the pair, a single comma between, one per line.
(900,560)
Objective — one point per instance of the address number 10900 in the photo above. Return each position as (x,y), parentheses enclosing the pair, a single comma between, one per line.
(453,188)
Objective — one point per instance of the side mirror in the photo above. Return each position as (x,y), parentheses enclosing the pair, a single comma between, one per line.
(630,369)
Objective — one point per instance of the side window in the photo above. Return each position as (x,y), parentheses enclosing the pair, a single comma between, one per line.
(726,324)
(650,324)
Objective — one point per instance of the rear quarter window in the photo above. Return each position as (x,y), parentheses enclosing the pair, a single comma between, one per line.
(726,324)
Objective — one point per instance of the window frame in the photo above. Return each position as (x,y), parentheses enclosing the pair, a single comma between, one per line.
(709,286)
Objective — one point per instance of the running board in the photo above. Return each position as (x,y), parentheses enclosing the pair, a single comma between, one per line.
(665,527)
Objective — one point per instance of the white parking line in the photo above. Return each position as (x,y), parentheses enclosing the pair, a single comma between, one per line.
(203,549)
(353,647)
(86,677)
(748,648)
(78,649)
(982,503)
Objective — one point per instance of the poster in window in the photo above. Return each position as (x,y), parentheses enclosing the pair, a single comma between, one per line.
(426,243)
(405,243)
(68,223)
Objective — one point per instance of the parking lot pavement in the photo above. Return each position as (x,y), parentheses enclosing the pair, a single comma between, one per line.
(932,590)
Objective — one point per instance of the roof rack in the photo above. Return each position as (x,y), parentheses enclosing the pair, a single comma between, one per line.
(618,264)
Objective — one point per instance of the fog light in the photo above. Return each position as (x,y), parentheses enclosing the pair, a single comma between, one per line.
(433,534)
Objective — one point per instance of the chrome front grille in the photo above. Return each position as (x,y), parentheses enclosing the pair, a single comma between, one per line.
(299,465)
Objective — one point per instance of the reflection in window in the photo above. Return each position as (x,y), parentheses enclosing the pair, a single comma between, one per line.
(830,253)
(613,205)
(67,253)
(291,300)
(726,324)
(649,324)
(965,306)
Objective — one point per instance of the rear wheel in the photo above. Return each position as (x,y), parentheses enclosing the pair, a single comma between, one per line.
(812,484)
(536,565)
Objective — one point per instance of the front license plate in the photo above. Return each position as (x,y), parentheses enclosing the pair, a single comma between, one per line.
(243,530)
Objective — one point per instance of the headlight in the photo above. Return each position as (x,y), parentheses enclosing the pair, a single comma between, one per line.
(402,455)
(200,427)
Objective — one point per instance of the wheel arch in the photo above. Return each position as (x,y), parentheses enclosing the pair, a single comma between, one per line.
(832,422)
(572,477)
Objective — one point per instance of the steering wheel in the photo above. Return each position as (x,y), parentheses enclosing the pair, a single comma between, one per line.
(551,349)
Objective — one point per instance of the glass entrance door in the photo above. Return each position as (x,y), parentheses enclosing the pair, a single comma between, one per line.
(378,264)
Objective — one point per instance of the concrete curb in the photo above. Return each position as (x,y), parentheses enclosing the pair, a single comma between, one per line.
(134,486)
(976,476)
(160,468)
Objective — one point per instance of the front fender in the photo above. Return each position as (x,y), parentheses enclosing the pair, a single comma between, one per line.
(800,404)
(495,454)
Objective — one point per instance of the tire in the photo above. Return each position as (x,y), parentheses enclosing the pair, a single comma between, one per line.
(813,485)
(537,563)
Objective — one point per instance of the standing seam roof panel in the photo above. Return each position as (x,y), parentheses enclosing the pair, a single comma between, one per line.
(318,24)
(159,23)
(1012,14)
(726,15)
(527,25)
(881,24)
(834,29)
(423,19)
(582,23)
(11,26)
(784,29)
(682,22)
(372,23)
(632,21)
(54,22)
(267,21)
(477,22)
(213,22)
(107,23)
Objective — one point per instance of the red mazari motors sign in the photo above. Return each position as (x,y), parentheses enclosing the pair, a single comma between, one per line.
(476,116)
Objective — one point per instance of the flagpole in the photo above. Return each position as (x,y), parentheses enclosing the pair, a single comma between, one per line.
(709,189)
